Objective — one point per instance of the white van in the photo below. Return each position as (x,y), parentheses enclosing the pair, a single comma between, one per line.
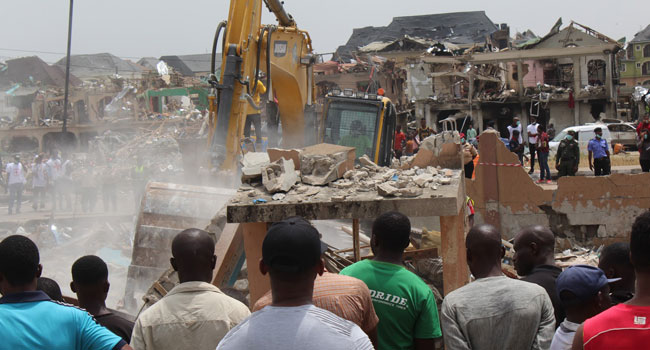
(584,133)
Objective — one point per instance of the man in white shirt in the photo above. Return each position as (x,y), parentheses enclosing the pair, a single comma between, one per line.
(532,141)
(194,315)
(291,256)
(15,182)
(516,125)
(54,172)
(39,182)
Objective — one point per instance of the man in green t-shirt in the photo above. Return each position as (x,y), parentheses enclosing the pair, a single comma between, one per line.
(406,307)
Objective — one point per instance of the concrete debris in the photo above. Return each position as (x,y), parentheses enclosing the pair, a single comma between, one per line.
(279,176)
(423,179)
(445,181)
(410,192)
(252,164)
(387,190)
(320,170)
(366,162)
(342,184)
(278,196)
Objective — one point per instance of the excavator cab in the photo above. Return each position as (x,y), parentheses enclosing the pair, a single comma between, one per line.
(361,120)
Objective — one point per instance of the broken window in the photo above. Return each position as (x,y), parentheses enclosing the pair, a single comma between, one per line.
(596,69)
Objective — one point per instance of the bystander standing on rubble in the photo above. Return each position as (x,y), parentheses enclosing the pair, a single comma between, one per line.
(516,125)
(533,135)
(408,315)
(53,166)
(644,150)
(139,176)
(255,118)
(516,146)
(495,311)
(87,181)
(469,153)
(344,296)
(400,141)
(615,262)
(643,124)
(472,134)
(90,283)
(195,301)
(409,148)
(567,157)
(534,260)
(109,181)
(599,150)
(624,326)
(16,182)
(542,153)
(29,319)
(291,256)
(39,182)
(424,131)
(584,293)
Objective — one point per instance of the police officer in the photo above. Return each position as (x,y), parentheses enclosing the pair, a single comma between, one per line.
(567,157)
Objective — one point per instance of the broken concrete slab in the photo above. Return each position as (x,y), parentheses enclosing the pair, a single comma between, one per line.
(279,176)
(410,192)
(276,153)
(324,163)
(365,161)
(422,179)
(252,164)
(387,190)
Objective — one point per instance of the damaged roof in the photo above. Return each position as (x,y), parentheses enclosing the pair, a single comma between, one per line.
(642,36)
(190,65)
(148,62)
(457,28)
(28,69)
(100,64)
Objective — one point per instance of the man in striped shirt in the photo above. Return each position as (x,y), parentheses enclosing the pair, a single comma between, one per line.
(291,255)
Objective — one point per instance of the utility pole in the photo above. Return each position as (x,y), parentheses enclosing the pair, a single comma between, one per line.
(67,73)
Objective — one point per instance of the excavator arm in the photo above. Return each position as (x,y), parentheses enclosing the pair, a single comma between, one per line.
(287,56)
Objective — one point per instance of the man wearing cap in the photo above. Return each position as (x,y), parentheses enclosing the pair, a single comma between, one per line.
(624,326)
(16,182)
(599,151)
(408,315)
(584,292)
(291,256)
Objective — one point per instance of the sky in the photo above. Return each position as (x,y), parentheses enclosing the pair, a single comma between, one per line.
(138,28)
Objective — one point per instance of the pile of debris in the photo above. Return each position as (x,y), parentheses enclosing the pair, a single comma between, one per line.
(305,172)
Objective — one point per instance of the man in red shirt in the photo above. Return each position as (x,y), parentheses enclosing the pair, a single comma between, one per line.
(643,125)
(624,326)
(399,139)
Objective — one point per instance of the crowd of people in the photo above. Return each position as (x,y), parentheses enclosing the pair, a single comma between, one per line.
(372,304)
(64,184)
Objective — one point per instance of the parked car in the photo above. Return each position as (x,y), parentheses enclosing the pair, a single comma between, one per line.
(623,133)
(584,133)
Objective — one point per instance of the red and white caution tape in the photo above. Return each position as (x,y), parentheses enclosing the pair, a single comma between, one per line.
(501,164)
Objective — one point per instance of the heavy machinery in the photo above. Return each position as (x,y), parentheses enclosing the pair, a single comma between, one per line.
(285,54)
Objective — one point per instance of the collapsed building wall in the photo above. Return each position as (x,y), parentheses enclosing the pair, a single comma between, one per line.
(599,210)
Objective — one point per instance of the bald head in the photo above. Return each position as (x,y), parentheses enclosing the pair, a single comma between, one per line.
(534,246)
(193,255)
(484,250)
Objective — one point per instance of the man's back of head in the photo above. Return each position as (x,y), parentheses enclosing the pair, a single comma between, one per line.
(640,244)
(484,251)
(193,255)
(291,256)
(390,235)
(19,265)
(49,287)
(615,262)
(90,283)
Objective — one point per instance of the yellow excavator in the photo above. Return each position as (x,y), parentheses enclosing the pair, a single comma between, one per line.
(285,54)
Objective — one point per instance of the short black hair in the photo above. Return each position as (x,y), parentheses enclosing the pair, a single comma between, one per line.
(50,287)
(515,132)
(640,242)
(541,127)
(598,129)
(393,229)
(615,254)
(89,270)
(490,123)
(19,260)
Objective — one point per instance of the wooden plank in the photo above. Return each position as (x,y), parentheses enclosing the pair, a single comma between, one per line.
(258,284)
(228,249)
(355,240)
(454,258)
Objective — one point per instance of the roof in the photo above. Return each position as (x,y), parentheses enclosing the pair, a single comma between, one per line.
(457,28)
(189,65)
(148,62)
(27,69)
(642,36)
(100,64)
(575,34)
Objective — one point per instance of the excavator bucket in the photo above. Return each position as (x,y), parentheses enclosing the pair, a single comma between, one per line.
(165,210)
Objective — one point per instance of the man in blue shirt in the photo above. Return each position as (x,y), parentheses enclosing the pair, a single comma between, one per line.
(29,319)
(600,152)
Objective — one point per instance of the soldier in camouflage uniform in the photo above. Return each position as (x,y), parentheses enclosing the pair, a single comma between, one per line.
(567,157)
